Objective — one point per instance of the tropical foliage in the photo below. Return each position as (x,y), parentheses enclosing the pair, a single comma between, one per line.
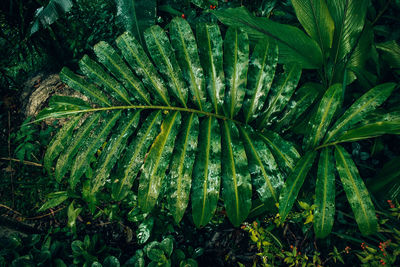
(207,114)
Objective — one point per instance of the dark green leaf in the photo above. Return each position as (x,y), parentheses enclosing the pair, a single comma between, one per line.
(115,146)
(261,73)
(137,59)
(59,142)
(294,45)
(135,155)
(280,94)
(99,76)
(209,41)
(284,152)
(236,59)
(236,181)
(157,161)
(66,159)
(325,194)
(114,63)
(366,103)
(293,184)
(180,175)
(185,46)
(265,174)
(206,172)
(315,18)
(136,15)
(390,53)
(356,192)
(163,56)
(321,120)
(82,86)
(90,146)
(54,199)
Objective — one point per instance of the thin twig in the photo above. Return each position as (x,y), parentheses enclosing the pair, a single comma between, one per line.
(23,218)
(23,161)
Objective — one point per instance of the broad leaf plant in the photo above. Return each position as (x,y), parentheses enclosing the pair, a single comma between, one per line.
(203,117)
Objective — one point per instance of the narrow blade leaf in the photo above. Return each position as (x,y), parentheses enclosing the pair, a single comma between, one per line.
(294,45)
(137,59)
(280,95)
(206,172)
(236,181)
(284,152)
(302,99)
(185,46)
(115,146)
(261,74)
(366,103)
(293,184)
(265,174)
(66,159)
(156,163)
(96,73)
(325,194)
(180,175)
(114,63)
(90,146)
(59,141)
(315,18)
(209,41)
(163,56)
(135,155)
(321,120)
(236,58)
(356,192)
(136,15)
(79,84)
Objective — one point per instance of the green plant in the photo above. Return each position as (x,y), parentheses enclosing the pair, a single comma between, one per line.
(218,122)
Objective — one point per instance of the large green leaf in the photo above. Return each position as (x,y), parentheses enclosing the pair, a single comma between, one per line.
(209,41)
(266,176)
(136,15)
(157,161)
(360,108)
(315,18)
(134,156)
(280,94)
(61,106)
(138,60)
(185,46)
(65,160)
(261,73)
(325,194)
(349,19)
(90,146)
(206,172)
(356,192)
(293,184)
(236,185)
(163,55)
(180,176)
(319,123)
(294,45)
(115,146)
(236,60)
